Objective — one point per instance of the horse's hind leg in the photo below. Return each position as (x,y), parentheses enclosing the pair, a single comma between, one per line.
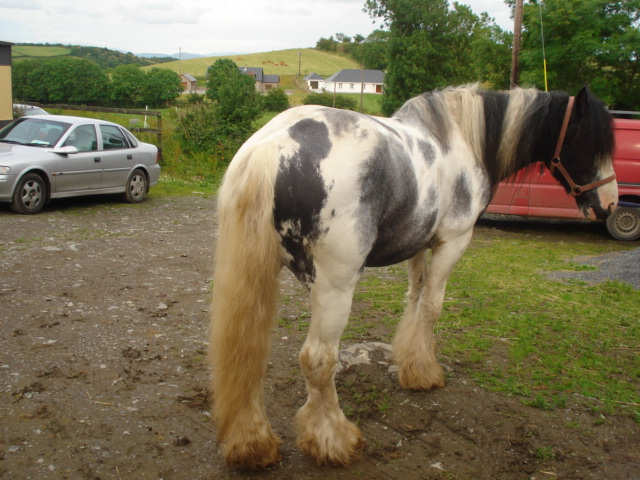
(323,430)
(414,347)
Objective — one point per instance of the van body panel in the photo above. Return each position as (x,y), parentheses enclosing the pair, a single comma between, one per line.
(536,193)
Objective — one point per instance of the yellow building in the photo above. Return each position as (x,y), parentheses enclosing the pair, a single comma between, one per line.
(6,98)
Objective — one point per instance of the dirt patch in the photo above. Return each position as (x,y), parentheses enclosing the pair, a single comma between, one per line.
(104,313)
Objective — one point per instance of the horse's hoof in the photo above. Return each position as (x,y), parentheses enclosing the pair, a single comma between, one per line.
(421,376)
(253,452)
(330,439)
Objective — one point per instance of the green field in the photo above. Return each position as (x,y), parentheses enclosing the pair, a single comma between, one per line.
(280,62)
(19,52)
(516,331)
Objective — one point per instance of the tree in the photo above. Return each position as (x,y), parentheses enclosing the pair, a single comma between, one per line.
(161,86)
(418,47)
(372,51)
(491,58)
(431,46)
(595,42)
(234,94)
(60,80)
(327,44)
(128,86)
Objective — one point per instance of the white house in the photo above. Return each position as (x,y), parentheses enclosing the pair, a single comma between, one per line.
(315,82)
(347,81)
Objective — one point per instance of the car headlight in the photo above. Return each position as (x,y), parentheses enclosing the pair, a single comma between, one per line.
(4,169)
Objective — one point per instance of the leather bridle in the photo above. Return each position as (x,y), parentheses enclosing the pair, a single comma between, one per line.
(556,164)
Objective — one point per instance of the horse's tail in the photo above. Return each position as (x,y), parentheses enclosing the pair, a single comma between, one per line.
(245,291)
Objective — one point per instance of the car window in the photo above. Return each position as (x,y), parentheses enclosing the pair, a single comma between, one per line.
(112,138)
(83,138)
(34,132)
(133,141)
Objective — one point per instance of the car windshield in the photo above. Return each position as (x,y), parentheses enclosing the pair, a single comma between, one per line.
(36,132)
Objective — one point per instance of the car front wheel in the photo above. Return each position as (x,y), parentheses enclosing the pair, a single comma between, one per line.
(30,195)
(137,186)
(624,223)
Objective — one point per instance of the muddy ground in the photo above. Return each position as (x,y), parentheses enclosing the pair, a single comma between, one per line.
(103,321)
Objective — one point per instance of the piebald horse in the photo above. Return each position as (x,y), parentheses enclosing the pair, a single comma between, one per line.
(327,192)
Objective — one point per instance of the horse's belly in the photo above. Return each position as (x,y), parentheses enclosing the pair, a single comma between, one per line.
(397,241)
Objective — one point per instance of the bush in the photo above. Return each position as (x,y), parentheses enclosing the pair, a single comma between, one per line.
(326,99)
(200,129)
(275,100)
(193,98)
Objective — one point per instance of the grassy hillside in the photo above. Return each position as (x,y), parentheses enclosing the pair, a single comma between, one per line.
(280,62)
(104,57)
(25,51)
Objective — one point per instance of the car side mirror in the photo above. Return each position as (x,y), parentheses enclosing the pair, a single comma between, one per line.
(66,150)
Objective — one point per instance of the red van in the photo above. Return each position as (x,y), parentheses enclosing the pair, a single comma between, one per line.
(537,194)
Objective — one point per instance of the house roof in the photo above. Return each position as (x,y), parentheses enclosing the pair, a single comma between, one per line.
(255,72)
(189,77)
(259,75)
(313,76)
(356,76)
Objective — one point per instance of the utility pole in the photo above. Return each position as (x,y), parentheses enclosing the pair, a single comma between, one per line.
(361,91)
(515,51)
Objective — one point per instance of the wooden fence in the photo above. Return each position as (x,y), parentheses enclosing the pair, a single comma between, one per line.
(127,111)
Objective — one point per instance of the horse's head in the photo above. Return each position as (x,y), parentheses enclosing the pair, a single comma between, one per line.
(583,163)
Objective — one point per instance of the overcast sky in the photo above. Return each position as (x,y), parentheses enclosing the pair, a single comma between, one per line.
(196,26)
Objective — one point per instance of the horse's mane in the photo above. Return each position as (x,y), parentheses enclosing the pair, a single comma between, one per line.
(509,130)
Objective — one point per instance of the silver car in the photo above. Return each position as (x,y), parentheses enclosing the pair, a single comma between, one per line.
(54,156)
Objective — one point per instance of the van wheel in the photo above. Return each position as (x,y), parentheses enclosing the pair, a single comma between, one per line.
(624,223)
(30,195)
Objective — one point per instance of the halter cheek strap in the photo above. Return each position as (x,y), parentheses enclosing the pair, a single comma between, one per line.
(556,164)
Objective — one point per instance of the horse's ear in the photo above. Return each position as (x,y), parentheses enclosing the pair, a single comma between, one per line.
(582,101)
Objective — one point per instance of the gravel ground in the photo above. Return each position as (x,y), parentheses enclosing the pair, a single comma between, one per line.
(103,372)
(621,266)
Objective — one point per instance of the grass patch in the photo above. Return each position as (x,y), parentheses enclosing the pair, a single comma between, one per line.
(171,186)
(24,51)
(372,103)
(516,331)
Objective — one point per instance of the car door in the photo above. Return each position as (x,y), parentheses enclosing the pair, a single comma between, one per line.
(117,157)
(79,171)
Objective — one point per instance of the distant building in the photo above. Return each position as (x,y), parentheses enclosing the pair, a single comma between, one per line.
(351,81)
(264,82)
(348,81)
(189,83)
(6,98)
(314,82)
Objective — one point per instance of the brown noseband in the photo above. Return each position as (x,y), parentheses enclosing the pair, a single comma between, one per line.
(556,164)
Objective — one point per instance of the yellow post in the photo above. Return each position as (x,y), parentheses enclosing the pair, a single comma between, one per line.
(546,83)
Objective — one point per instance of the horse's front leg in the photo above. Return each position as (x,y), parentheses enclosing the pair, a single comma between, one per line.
(323,430)
(414,346)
